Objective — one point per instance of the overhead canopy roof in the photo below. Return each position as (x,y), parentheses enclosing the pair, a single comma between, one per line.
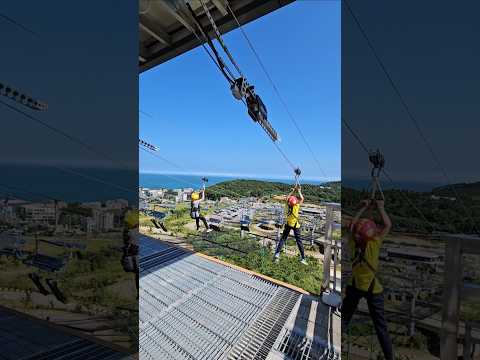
(166,26)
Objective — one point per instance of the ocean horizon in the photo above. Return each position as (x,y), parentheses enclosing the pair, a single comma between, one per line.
(361,184)
(176,181)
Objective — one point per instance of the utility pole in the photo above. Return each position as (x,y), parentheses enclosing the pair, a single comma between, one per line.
(467,342)
(56,217)
(36,243)
(412,311)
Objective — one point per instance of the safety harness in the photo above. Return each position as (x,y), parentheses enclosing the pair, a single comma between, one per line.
(359,259)
(195,209)
(195,205)
(378,162)
(297,172)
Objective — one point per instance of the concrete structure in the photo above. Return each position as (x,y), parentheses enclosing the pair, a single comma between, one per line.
(455,290)
(40,212)
(103,221)
(166,27)
(116,204)
(411,254)
(8,214)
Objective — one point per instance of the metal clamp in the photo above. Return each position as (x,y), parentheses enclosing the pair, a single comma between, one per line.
(297,172)
(378,162)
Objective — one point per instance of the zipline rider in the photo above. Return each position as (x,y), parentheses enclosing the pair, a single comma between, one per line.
(195,209)
(293,209)
(130,248)
(365,242)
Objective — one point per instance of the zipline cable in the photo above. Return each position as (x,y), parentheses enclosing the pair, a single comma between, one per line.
(64,134)
(181,168)
(92,178)
(77,141)
(284,155)
(219,61)
(219,38)
(410,114)
(240,88)
(37,194)
(145,113)
(18,24)
(277,92)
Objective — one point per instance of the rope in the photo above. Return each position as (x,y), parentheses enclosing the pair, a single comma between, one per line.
(292,118)
(410,115)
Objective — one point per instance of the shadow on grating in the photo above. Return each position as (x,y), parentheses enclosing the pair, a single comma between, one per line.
(298,347)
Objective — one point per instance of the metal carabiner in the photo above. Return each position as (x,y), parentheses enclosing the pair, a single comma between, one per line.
(297,172)
(378,162)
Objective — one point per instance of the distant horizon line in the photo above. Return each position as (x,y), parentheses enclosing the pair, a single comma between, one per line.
(234,175)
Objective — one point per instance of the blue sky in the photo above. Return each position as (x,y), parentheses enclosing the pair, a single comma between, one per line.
(197,124)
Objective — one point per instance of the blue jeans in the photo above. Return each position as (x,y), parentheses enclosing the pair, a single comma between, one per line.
(296,233)
(376,306)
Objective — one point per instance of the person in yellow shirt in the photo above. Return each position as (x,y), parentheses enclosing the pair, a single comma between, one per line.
(195,209)
(365,242)
(131,246)
(292,208)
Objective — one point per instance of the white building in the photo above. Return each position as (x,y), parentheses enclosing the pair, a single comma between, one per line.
(117,204)
(92,205)
(100,221)
(142,204)
(88,224)
(8,214)
(41,212)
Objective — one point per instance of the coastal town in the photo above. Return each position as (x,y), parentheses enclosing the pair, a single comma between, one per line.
(60,262)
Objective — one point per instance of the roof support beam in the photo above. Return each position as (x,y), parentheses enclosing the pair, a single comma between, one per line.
(221,6)
(155,32)
(176,15)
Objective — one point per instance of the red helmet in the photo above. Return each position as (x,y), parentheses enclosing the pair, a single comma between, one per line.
(365,229)
(292,200)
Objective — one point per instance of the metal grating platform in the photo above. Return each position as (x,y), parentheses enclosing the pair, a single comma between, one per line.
(26,338)
(194,308)
(78,350)
(258,340)
(298,347)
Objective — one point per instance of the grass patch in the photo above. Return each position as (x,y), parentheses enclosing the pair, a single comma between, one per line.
(249,254)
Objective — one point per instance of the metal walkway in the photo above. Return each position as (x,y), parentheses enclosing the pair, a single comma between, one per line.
(194,308)
(25,338)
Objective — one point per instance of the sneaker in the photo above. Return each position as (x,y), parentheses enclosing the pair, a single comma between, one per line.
(304,262)
(276,258)
(209,230)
